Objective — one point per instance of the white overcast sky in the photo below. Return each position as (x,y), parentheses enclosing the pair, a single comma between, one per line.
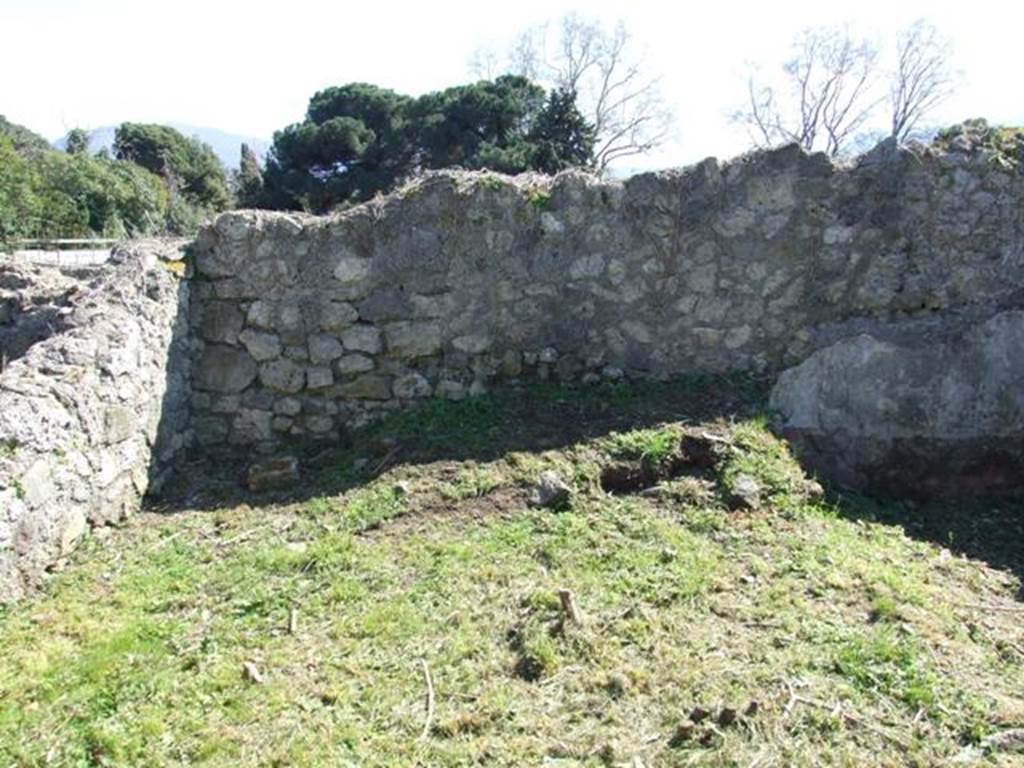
(250,67)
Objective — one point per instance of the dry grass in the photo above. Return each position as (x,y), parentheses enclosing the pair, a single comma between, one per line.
(804,633)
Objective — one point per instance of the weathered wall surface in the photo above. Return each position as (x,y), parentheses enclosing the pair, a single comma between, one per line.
(305,325)
(925,411)
(93,415)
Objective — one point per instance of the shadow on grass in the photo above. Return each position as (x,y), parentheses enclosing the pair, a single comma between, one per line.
(531,417)
(991,530)
(543,416)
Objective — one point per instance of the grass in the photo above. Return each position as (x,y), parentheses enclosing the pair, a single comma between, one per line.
(834,636)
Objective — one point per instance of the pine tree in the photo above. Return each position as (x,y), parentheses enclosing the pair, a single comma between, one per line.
(562,137)
(250,179)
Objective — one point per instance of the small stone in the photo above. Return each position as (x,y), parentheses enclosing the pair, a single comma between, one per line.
(413,339)
(699,713)
(262,346)
(727,716)
(412,385)
(472,344)
(813,490)
(362,338)
(251,426)
(319,377)
(745,494)
(283,376)
(337,315)
(401,488)
(551,491)
(511,363)
(324,348)
(451,390)
(548,355)
(121,422)
(702,449)
(319,424)
(261,314)
(682,734)
(354,364)
(289,406)
(612,373)
(280,472)
(251,673)
(351,270)
(368,387)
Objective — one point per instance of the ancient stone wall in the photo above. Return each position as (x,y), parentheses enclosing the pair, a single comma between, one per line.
(898,278)
(92,414)
(306,325)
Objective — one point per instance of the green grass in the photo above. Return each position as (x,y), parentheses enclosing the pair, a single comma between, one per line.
(648,445)
(854,639)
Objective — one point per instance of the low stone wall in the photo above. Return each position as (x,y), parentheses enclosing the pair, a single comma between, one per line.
(93,415)
(306,325)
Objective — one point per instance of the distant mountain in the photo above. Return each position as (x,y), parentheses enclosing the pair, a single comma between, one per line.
(227,146)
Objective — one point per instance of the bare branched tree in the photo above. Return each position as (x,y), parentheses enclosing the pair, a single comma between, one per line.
(829,80)
(829,92)
(624,104)
(923,77)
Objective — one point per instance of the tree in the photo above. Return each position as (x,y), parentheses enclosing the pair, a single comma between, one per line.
(922,80)
(481,125)
(18,203)
(351,145)
(624,105)
(250,179)
(24,141)
(830,90)
(189,167)
(77,141)
(829,81)
(358,140)
(562,138)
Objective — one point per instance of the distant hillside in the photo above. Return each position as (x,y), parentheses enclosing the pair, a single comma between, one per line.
(24,139)
(227,146)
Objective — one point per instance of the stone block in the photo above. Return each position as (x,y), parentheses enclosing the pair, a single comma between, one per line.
(283,376)
(362,338)
(350,364)
(324,348)
(222,321)
(413,339)
(262,346)
(370,386)
(224,369)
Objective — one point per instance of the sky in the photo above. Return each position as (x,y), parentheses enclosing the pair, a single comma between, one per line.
(250,67)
